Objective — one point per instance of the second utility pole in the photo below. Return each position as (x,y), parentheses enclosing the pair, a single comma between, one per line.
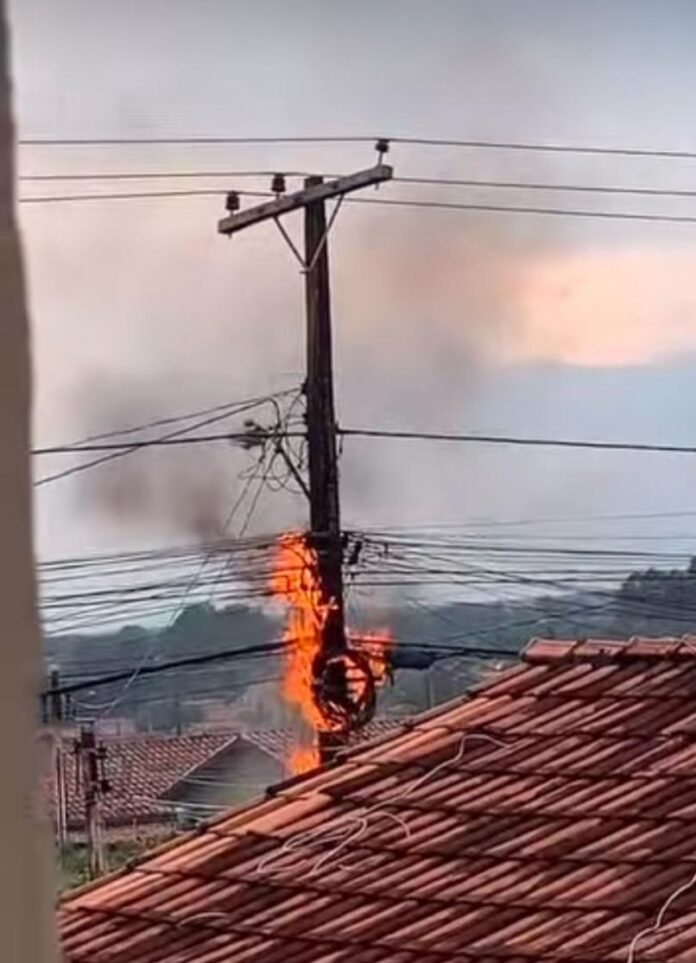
(90,762)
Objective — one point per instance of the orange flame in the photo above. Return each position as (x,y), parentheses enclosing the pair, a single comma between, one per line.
(296,582)
(376,646)
(303,759)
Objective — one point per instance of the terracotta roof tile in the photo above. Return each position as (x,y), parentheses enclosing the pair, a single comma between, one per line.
(547,817)
(278,743)
(141,769)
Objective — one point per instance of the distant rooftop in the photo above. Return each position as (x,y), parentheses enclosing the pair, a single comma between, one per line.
(142,769)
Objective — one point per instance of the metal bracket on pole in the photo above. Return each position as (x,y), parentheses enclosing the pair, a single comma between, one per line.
(304,267)
(290,242)
(322,244)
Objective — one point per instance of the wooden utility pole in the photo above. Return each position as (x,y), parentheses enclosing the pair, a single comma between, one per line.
(90,767)
(60,794)
(322,460)
(325,518)
(55,698)
(325,513)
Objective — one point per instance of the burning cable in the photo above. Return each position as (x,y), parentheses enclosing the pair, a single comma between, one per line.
(331,692)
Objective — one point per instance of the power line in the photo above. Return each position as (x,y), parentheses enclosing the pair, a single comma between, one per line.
(547,148)
(440,651)
(239,407)
(565,519)
(360,139)
(386,202)
(254,650)
(516,440)
(517,209)
(153,175)
(165,442)
(141,667)
(115,451)
(422,180)
(545,186)
(181,141)
(118,196)
(190,550)
(191,696)
(118,450)
(394,434)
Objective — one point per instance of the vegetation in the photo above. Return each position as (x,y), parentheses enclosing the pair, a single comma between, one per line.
(73,860)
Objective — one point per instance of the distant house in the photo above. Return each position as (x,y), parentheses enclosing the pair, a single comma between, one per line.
(547,817)
(138,770)
(243,769)
(157,782)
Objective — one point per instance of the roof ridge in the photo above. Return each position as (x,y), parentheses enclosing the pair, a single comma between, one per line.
(151,738)
(602,651)
(230,741)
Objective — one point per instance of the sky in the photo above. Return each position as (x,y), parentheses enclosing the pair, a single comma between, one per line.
(444,320)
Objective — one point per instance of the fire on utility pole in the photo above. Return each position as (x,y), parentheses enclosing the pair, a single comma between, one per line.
(325,521)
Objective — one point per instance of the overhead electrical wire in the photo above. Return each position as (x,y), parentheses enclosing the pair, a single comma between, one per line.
(481,439)
(252,651)
(475,144)
(175,141)
(168,441)
(533,147)
(523,209)
(409,562)
(193,694)
(541,520)
(150,175)
(468,182)
(191,585)
(242,405)
(142,668)
(388,202)
(258,651)
(381,433)
(120,449)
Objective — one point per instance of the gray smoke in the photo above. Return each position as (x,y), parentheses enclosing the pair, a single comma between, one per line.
(178,491)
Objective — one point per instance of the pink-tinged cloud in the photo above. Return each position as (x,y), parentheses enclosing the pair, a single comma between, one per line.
(609,307)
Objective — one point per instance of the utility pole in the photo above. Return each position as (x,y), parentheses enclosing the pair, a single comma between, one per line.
(325,512)
(54,713)
(91,758)
(325,519)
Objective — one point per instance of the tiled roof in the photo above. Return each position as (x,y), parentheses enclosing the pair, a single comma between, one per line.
(279,742)
(141,769)
(138,770)
(550,816)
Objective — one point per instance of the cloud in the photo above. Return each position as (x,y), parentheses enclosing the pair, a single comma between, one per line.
(634,305)
(481,292)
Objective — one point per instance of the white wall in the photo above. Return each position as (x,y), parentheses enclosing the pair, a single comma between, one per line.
(26,885)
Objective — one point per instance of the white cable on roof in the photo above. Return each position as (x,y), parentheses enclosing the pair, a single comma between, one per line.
(353,827)
(659,919)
